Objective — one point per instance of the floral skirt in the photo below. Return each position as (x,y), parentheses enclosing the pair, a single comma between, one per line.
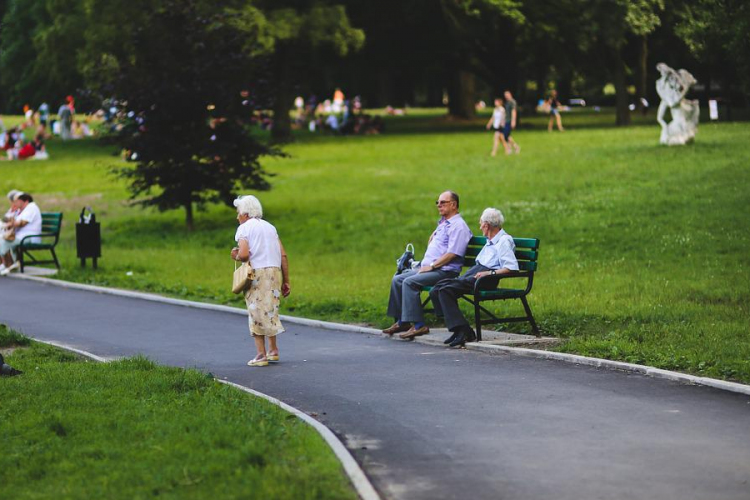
(262,299)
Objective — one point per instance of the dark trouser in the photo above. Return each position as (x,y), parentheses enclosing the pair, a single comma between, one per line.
(404,303)
(445,295)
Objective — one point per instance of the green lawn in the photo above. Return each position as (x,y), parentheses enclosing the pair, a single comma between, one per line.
(643,248)
(130,429)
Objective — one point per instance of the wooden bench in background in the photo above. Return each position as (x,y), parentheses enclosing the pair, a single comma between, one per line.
(50,235)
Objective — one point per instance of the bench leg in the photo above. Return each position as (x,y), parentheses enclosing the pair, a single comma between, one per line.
(477,319)
(54,256)
(530,317)
(20,258)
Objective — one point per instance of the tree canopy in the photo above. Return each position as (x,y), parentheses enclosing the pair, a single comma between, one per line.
(394,52)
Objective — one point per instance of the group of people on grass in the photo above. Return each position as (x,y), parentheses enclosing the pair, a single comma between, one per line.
(259,244)
(23,219)
(15,146)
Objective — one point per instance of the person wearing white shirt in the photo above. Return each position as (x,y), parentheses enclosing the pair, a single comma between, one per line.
(28,222)
(496,258)
(259,243)
(496,124)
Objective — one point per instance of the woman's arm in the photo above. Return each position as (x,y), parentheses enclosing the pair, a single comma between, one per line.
(286,287)
(242,251)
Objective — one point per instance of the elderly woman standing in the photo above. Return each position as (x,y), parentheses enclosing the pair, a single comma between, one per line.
(258,242)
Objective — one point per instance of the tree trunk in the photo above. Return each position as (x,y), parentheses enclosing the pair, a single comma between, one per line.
(642,83)
(621,90)
(189,216)
(282,124)
(461,92)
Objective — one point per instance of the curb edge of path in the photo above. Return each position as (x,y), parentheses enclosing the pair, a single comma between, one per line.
(354,472)
(489,349)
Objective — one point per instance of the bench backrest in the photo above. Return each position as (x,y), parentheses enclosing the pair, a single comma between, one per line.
(51,222)
(527,252)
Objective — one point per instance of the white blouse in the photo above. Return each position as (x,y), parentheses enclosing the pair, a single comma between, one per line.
(263,241)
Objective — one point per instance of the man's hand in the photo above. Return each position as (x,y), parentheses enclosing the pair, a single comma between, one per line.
(235,251)
(481,274)
(286,289)
(425,269)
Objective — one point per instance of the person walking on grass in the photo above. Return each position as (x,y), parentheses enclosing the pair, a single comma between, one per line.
(258,242)
(443,259)
(554,112)
(496,258)
(511,117)
(496,123)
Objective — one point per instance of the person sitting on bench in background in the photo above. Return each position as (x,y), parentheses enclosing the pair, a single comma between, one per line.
(496,258)
(443,259)
(28,222)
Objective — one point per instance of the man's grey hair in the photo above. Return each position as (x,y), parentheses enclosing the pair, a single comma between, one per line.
(250,206)
(13,194)
(493,217)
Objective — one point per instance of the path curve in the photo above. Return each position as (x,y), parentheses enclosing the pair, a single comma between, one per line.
(427,422)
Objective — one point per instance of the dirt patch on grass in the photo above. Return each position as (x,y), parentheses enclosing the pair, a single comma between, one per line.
(67,203)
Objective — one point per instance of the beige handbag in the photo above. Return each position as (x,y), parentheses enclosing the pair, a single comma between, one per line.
(242,277)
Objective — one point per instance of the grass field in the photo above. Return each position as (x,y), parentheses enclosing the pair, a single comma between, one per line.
(130,429)
(643,248)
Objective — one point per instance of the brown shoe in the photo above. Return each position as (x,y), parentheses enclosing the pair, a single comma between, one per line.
(412,333)
(396,328)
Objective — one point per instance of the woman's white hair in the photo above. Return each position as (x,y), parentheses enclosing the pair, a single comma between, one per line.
(249,205)
(493,217)
(13,194)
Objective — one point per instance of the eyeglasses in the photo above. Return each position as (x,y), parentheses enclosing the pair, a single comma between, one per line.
(442,202)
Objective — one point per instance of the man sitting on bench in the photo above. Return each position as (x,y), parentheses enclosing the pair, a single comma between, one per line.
(497,257)
(443,259)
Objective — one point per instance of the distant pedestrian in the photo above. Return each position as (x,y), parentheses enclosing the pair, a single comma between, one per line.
(496,123)
(65,115)
(554,112)
(258,242)
(44,114)
(511,118)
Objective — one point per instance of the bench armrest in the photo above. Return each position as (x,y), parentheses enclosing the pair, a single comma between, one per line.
(485,280)
(40,235)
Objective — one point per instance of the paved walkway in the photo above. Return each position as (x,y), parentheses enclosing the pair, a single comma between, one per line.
(432,423)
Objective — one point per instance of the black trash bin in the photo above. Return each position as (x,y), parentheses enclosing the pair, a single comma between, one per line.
(88,237)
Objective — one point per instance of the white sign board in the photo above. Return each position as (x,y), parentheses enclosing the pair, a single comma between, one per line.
(713,109)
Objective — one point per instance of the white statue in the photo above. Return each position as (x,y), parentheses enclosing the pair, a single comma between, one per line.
(672,88)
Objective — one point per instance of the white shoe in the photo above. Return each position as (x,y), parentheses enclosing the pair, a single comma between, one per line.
(258,362)
(10,268)
(2,267)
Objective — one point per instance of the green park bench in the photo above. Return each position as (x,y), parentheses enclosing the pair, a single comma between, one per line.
(50,235)
(527,253)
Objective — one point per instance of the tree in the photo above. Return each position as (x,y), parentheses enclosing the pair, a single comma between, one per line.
(717,30)
(189,87)
(612,23)
(294,29)
(470,25)
(38,51)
